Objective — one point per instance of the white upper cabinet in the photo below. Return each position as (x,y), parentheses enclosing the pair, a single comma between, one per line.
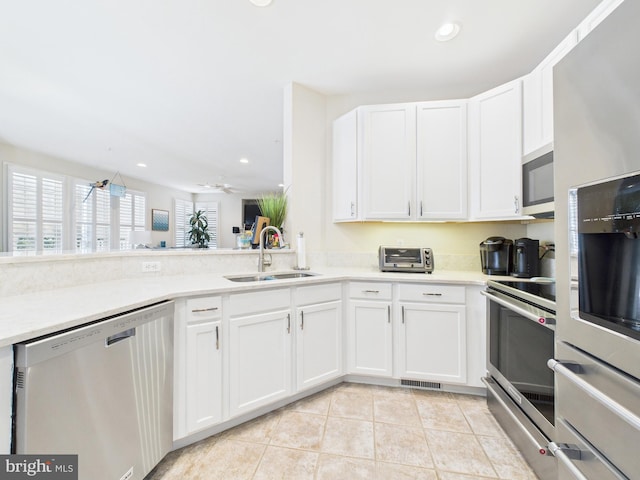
(345,167)
(495,151)
(538,98)
(401,162)
(388,161)
(442,160)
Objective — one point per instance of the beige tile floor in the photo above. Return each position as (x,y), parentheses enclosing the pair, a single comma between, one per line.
(354,431)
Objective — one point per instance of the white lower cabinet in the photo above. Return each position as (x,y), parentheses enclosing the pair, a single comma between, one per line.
(370,330)
(432,333)
(204,375)
(259,349)
(318,335)
(197,364)
(433,343)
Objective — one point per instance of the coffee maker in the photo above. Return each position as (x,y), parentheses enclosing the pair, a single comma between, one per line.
(496,256)
(526,263)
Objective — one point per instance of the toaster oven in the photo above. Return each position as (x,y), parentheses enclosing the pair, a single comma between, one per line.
(405,259)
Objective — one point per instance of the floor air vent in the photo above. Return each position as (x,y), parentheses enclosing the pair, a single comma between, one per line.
(420,384)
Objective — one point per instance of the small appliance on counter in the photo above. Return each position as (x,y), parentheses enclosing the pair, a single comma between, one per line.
(526,263)
(405,259)
(496,256)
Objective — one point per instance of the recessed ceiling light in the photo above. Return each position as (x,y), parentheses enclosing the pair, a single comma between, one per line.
(141,165)
(281,185)
(244,160)
(447,31)
(261,3)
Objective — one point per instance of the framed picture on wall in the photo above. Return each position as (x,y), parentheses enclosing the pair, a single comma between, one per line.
(160,220)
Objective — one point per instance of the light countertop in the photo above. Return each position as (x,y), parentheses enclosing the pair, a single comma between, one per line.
(27,316)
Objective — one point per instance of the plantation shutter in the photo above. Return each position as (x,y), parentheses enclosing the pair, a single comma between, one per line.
(35,211)
(132,216)
(182,211)
(210,210)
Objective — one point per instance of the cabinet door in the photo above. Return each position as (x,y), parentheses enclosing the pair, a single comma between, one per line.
(203,375)
(442,160)
(370,338)
(259,360)
(319,345)
(538,98)
(345,167)
(433,343)
(389,160)
(495,148)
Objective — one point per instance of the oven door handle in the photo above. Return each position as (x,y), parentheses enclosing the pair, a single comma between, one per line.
(610,404)
(544,321)
(542,450)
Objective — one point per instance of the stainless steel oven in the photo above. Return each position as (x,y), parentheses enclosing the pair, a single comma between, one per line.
(520,341)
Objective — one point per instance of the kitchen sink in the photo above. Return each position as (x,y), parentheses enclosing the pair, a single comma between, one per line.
(263,277)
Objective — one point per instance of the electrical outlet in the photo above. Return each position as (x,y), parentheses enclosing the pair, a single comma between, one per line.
(150,267)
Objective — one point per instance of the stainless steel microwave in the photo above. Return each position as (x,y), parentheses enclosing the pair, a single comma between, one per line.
(537,183)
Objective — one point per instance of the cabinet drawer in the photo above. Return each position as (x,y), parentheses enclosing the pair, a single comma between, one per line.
(432,293)
(258,302)
(312,294)
(201,308)
(370,290)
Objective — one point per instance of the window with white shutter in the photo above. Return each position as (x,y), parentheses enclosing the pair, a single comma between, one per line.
(210,210)
(132,216)
(35,211)
(182,211)
(51,213)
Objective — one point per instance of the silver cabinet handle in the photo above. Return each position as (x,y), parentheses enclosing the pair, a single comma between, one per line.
(288,323)
(388,313)
(353,209)
(301,320)
(420,207)
(610,404)
(217,338)
(403,314)
(200,310)
(409,206)
(516,204)
(547,321)
(370,291)
(565,453)
(428,294)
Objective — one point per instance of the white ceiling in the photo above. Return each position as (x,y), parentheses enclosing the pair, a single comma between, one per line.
(191,86)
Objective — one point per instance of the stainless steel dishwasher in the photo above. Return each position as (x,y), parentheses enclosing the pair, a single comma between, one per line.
(102,391)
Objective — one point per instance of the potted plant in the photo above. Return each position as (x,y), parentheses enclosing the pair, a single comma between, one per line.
(199,231)
(274,206)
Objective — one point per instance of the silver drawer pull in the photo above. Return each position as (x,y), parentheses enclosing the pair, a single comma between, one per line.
(426,294)
(606,401)
(370,291)
(200,310)
(565,453)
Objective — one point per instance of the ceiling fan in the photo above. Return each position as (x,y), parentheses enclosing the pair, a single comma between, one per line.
(218,187)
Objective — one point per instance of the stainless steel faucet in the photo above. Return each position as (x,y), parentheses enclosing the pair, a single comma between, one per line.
(261,260)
